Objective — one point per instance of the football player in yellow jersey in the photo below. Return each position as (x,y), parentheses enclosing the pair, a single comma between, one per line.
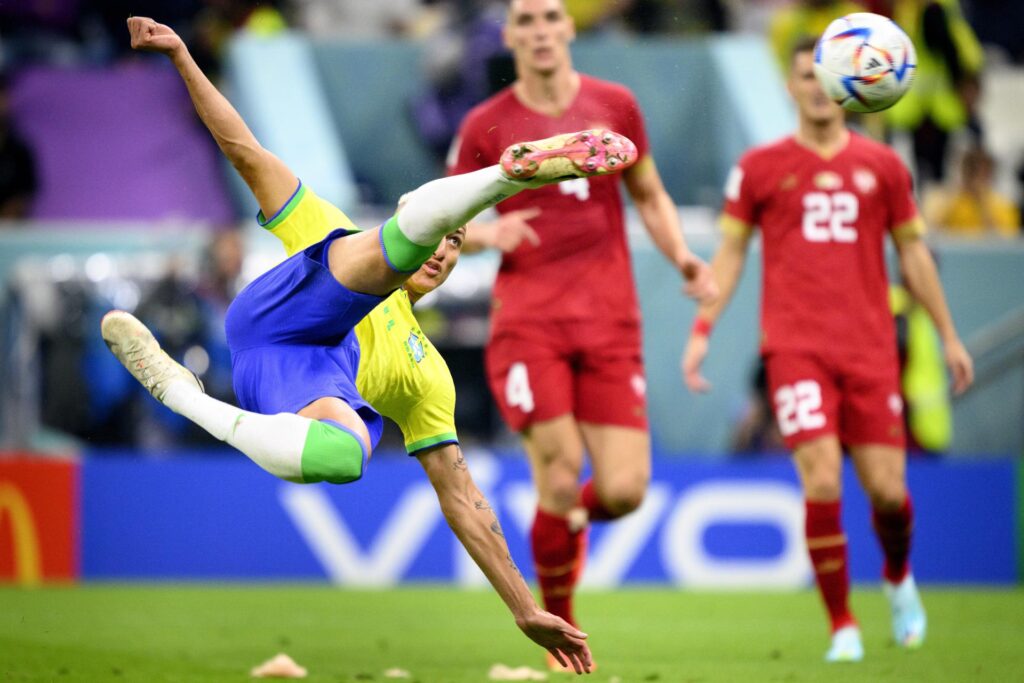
(295,350)
(400,373)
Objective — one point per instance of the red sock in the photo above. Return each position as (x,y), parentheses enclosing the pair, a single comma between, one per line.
(826,544)
(596,511)
(895,530)
(558,556)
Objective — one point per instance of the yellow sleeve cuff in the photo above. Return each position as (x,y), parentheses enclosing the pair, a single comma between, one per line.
(909,230)
(730,225)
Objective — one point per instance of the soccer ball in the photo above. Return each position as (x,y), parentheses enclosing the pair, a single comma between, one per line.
(864,62)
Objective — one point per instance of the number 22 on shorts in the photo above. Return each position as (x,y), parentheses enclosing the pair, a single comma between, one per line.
(798,407)
(517,388)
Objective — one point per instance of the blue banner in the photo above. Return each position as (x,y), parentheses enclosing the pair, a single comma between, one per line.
(703,524)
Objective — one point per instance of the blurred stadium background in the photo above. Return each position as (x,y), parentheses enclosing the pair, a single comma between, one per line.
(113,195)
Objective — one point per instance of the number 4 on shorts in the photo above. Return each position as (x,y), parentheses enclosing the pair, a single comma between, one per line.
(517,388)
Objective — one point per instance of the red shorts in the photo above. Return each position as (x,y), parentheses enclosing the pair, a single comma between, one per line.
(594,372)
(858,400)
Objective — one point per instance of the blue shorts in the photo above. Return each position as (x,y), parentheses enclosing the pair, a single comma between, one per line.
(291,340)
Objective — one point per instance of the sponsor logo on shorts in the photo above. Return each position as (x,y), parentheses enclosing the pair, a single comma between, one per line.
(639,385)
(895,404)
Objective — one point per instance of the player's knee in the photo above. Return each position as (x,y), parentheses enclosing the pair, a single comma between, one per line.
(332,454)
(886,495)
(623,496)
(823,488)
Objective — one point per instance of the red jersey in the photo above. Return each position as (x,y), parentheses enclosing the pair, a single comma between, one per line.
(581,269)
(823,224)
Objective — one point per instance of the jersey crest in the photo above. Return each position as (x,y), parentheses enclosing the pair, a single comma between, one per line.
(415,346)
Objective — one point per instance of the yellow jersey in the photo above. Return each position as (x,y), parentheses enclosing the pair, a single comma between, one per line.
(400,373)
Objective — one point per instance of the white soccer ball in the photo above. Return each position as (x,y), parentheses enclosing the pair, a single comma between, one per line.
(865,62)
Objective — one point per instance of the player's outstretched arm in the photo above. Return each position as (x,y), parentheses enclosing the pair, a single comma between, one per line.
(661,219)
(726,267)
(476,526)
(270,180)
(922,279)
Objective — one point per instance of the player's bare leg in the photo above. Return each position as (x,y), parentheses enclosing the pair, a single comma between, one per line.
(882,472)
(819,463)
(441,206)
(329,445)
(555,451)
(621,466)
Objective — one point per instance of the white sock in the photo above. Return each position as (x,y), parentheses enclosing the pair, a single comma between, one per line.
(441,206)
(274,442)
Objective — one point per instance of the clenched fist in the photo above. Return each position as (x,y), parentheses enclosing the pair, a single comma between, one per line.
(149,36)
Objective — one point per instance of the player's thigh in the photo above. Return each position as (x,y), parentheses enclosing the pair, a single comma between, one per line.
(336,410)
(555,450)
(871,411)
(610,386)
(819,464)
(358,263)
(805,397)
(882,471)
(530,376)
(313,381)
(620,460)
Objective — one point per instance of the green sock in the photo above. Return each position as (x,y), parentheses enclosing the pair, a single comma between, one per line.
(401,253)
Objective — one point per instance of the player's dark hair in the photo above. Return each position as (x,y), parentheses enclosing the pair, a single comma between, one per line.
(804,44)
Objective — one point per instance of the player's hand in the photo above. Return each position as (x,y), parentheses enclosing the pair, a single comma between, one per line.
(566,643)
(514,227)
(693,357)
(960,366)
(149,36)
(700,280)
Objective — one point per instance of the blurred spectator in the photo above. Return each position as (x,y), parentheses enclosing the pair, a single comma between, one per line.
(946,86)
(757,430)
(927,410)
(219,281)
(592,15)
(18,183)
(973,208)
(802,19)
(368,19)
(1000,23)
(465,62)
(676,16)
(35,31)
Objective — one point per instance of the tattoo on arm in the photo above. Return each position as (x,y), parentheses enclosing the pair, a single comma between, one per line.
(483,505)
(460,461)
(512,563)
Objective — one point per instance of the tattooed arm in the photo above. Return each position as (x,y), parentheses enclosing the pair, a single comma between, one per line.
(476,526)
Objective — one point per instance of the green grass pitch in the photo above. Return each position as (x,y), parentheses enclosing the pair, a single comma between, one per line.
(199,633)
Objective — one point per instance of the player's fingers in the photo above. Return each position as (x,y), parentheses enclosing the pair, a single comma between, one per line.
(528,214)
(531,235)
(559,657)
(696,383)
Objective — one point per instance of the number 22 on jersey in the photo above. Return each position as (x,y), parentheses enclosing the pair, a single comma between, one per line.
(830,217)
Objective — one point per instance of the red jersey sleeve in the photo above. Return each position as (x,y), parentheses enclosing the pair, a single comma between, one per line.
(739,213)
(633,124)
(904,218)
